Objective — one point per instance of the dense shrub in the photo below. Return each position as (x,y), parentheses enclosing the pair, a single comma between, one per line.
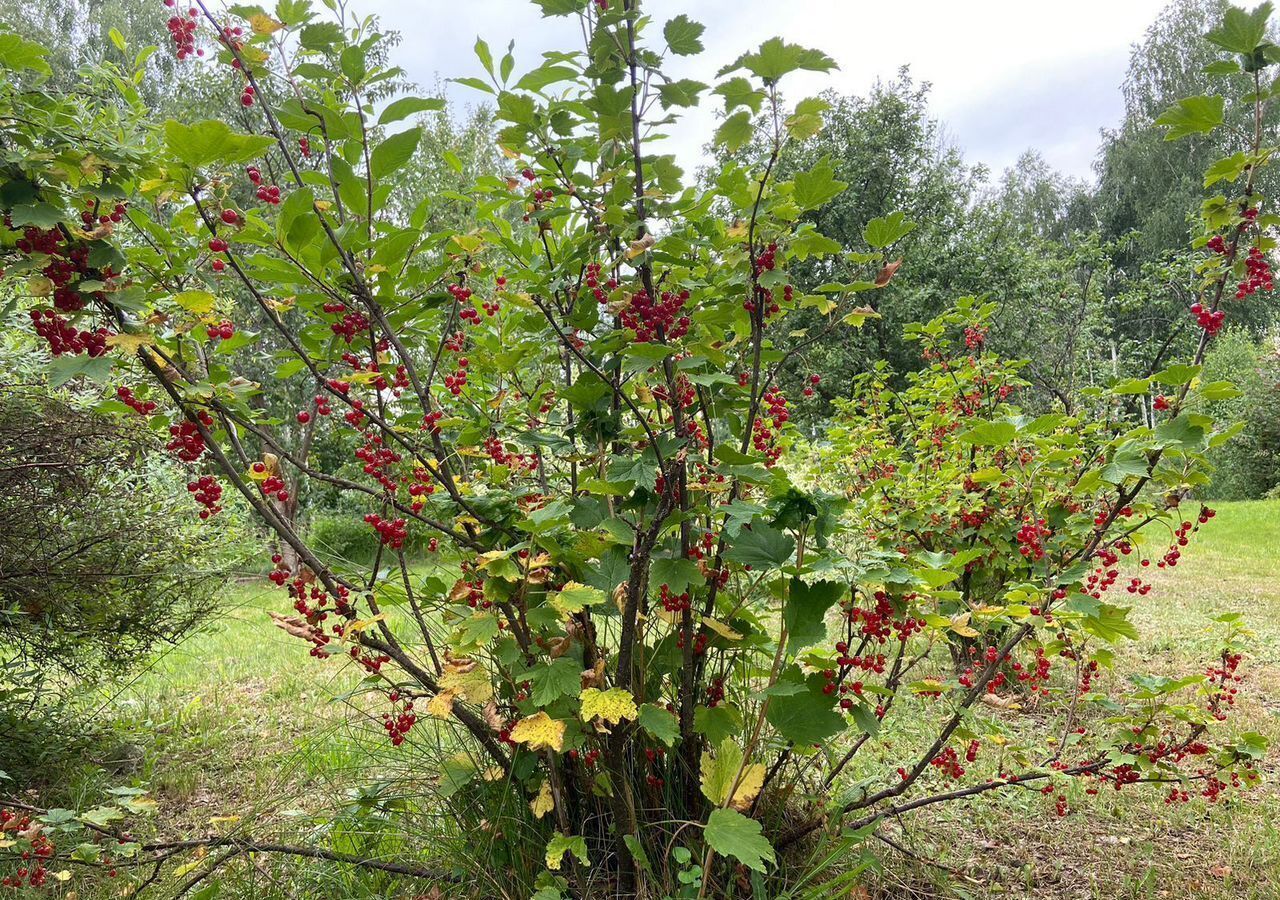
(657,656)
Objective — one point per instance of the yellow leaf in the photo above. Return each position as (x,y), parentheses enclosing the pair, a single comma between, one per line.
(611,706)
(720,770)
(130,343)
(219,821)
(539,731)
(360,625)
(64,875)
(721,629)
(39,286)
(635,248)
(543,803)
(198,302)
(575,597)
(324,205)
(441,705)
(471,683)
(264,24)
(493,773)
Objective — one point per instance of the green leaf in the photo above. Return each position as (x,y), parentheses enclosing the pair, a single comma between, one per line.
(817,186)
(680,93)
(739,92)
(212,141)
(560,678)
(806,608)
(1128,461)
(408,106)
(735,131)
(1110,623)
(483,54)
(1181,433)
(676,574)
(394,152)
(1192,115)
(545,75)
(41,215)
(761,546)
(17,54)
(730,833)
(320,36)
(1227,169)
(990,434)
(683,35)
(64,368)
(717,722)
(561,7)
(886,230)
(559,845)
(659,723)
(806,717)
(1240,31)
(776,58)
(1177,375)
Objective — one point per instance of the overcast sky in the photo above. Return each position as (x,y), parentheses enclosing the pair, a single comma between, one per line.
(1007,75)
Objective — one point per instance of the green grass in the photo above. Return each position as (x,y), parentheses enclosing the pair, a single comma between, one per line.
(239,721)
(1132,845)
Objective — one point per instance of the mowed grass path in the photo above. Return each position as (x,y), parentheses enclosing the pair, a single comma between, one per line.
(239,721)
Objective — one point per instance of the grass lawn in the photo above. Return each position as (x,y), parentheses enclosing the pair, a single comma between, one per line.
(239,721)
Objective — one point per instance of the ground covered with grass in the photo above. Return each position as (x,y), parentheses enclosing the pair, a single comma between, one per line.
(238,727)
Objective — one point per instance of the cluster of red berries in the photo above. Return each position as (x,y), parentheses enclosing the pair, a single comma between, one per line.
(398,722)
(142,408)
(948,763)
(183,31)
(223,331)
(458,380)
(272,485)
(673,603)
(391,532)
(186,441)
(378,460)
(879,623)
(975,337)
(654,756)
(1208,319)
(304,147)
(650,320)
(589,759)
(814,381)
(62,336)
(764,438)
(280,574)
(1258,275)
(431,421)
(592,280)
(419,489)
(32,870)
(246,96)
(499,453)
(88,216)
(208,494)
(351,325)
(1030,538)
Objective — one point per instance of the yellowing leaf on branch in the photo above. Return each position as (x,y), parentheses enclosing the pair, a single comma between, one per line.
(539,731)
(198,302)
(468,680)
(264,24)
(441,705)
(575,597)
(720,770)
(610,706)
(130,343)
(721,629)
(543,803)
(358,625)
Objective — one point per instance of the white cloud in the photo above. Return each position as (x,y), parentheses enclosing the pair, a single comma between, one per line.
(1006,74)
